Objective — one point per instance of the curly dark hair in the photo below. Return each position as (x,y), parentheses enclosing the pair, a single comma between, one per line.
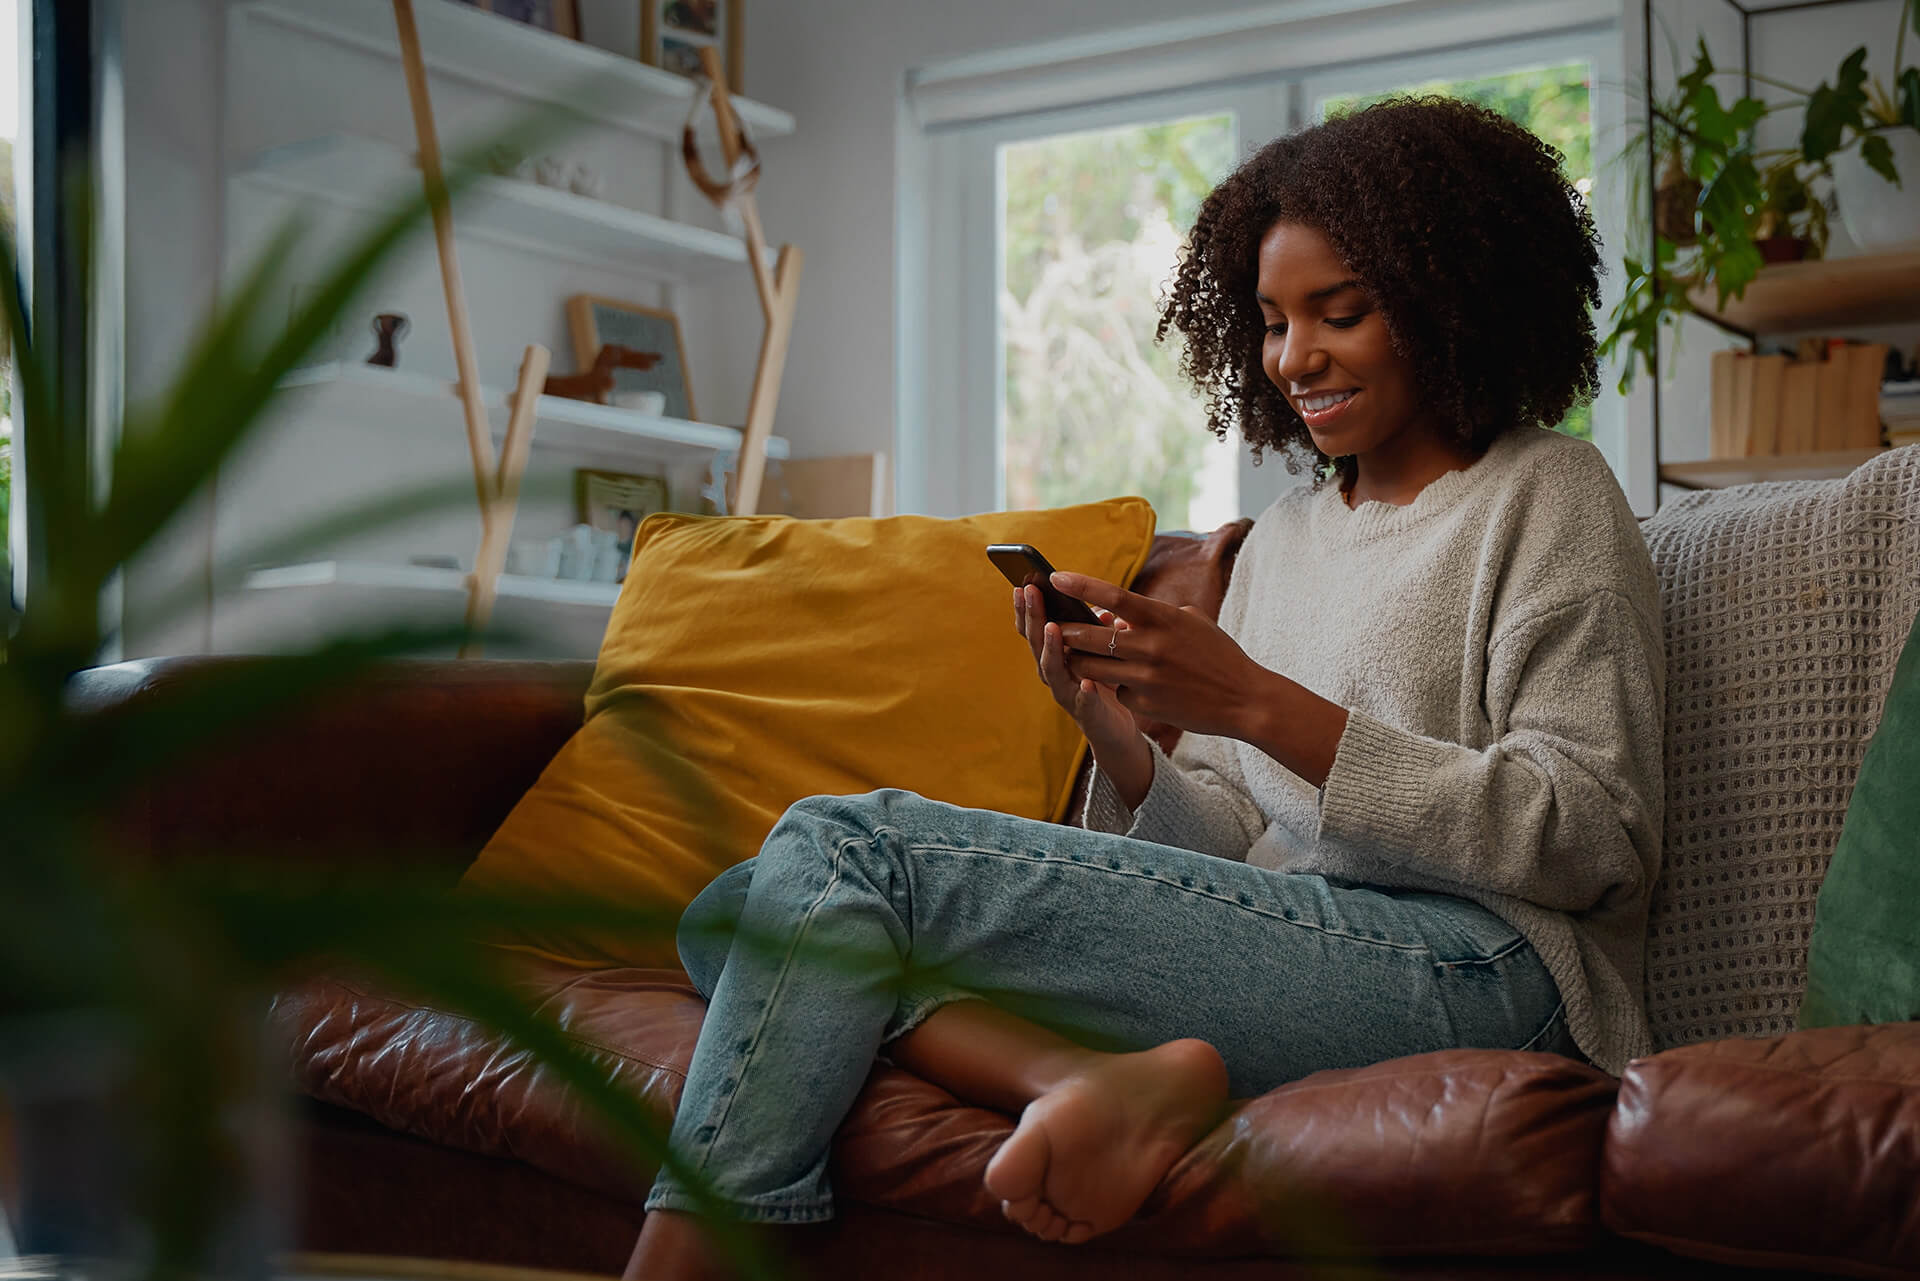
(1479,254)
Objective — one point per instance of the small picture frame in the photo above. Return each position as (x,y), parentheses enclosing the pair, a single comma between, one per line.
(618,501)
(672,33)
(596,321)
(561,17)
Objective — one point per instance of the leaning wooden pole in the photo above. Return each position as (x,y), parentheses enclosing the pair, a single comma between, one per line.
(479,434)
(778,286)
(504,498)
(486,475)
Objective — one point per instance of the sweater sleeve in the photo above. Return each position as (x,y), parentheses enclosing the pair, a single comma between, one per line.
(1563,808)
(1198,801)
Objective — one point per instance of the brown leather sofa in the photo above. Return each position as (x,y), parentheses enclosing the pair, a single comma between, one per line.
(424,1135)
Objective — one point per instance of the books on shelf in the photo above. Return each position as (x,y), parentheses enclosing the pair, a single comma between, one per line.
(1900,411)
(1767,405)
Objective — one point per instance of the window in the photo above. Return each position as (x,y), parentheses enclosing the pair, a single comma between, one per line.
(1037,238)
(1090,230)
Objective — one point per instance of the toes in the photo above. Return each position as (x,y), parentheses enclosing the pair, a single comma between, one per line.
(1018,1169)
(1052,1225)
(1076,1233)
(1023,1211)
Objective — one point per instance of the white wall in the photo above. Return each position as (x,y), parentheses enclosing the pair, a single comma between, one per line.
(173,52)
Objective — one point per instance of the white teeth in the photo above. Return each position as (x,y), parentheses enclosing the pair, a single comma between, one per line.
(1315,404)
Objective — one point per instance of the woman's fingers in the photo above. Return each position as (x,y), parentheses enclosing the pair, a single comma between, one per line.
(1053,656)
(1104,595)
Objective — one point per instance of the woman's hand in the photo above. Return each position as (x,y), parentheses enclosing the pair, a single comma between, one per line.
(1162,662)
(1093,707)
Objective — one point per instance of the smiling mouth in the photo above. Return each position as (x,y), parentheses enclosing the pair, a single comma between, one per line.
(1323,407)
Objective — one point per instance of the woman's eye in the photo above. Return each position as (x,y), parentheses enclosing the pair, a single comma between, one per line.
(1278,331)
(1345,322)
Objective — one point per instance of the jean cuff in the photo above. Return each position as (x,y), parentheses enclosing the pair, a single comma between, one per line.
(667,1197)
(916,1007)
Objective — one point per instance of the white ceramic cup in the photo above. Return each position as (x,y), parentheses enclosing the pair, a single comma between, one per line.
(650,403)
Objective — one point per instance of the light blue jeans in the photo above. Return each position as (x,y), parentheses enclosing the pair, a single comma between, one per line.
(864,914)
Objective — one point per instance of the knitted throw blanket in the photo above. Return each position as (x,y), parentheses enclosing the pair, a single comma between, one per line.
(1786,606)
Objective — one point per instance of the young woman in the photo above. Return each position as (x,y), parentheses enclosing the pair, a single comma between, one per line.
(1418,800)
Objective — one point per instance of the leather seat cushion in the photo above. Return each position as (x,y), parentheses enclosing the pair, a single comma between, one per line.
(1455,1152)
(1794,1151)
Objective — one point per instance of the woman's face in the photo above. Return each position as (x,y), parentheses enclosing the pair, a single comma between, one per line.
(1327,348)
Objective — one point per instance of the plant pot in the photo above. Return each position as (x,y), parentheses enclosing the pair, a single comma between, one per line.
(87,1128)
(1674,202)
(1878,215)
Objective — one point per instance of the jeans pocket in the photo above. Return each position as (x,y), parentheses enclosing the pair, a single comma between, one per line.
(1462,933)
(1553,1036)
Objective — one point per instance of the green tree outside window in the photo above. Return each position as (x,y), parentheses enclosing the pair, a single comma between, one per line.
(1092,225)
(1555,104)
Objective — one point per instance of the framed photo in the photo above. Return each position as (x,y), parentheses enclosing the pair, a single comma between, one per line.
(562,17)
(618,501)
(673,32)
(596,321)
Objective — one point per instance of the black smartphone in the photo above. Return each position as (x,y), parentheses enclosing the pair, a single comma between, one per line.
(1022,564)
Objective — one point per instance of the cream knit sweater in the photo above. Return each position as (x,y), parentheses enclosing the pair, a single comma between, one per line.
(1498,645)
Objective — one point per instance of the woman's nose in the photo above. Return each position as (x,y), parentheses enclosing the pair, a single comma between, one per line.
(1300,357)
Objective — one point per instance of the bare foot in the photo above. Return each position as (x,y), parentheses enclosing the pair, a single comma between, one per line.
(1087,1152)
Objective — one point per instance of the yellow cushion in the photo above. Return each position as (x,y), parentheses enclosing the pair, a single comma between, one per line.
(752,661)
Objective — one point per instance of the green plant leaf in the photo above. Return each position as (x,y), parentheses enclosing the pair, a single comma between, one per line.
(1832,111)
(1878,154)
(1696,77)
(1909,91)
(178,957)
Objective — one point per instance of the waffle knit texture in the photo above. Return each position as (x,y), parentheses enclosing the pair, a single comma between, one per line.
(1787,606)
(1497,643)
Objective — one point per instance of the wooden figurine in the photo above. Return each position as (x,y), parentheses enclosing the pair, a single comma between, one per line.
(594,384)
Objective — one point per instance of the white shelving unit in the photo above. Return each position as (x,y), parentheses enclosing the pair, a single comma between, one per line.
(375,176)
(344,391)
(348,577)
(335,411)
(463,43)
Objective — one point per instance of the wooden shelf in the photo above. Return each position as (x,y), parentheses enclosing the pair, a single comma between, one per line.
(375,176)
(1872,289)
(1719,473)
(464,43)
(357,392)
(361,579)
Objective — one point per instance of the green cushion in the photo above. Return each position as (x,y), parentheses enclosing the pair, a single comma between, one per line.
(1863,964)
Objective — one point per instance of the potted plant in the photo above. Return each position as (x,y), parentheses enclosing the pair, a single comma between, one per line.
(1724,207)
(1790,222)
(136,1084)
(1867,137)
(1716,199)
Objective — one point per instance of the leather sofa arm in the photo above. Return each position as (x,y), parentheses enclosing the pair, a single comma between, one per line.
(414,761)
(1799,1151)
